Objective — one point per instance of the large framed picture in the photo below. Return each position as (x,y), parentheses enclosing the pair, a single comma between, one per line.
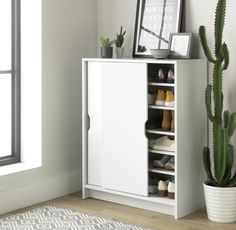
(155,20)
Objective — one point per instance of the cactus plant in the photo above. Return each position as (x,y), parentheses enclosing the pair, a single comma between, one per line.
(120,38)
(106,42)
(224,123)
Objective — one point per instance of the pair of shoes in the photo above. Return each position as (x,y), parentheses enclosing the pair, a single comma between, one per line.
(166,99)
(168,121)
(152,185)
(164,143)
(167,162)
(166,188)
(166,77)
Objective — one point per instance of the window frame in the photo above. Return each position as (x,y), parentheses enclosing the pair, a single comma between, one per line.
(16,86)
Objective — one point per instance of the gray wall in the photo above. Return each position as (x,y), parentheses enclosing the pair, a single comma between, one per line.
(112,14)
(69,33)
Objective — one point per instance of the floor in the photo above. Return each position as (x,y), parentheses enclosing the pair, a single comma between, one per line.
(147,219)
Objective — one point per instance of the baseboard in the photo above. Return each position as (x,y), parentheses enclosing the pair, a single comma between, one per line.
(40,191)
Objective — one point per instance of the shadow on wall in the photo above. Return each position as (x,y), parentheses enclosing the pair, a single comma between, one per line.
(196,41)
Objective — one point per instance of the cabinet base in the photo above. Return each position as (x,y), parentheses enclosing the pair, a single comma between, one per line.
(141,202)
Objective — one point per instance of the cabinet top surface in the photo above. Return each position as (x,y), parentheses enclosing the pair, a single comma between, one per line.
(143,60)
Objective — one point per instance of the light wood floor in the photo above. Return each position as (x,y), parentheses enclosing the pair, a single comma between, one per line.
(135,216)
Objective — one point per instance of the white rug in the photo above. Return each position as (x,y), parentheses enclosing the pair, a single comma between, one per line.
(60,219)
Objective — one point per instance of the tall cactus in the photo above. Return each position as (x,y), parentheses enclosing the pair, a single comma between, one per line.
(224,123)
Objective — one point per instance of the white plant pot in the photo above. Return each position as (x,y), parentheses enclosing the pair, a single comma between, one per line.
(119,52)
(220,204)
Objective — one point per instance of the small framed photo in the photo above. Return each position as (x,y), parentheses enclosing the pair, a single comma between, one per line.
(181,45)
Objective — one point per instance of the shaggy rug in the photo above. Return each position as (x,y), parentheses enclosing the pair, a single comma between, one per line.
(60,219)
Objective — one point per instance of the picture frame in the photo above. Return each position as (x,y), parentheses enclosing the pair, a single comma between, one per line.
(180,45)
(155,20)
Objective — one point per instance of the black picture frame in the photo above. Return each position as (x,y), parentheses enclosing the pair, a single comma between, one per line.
(162,15)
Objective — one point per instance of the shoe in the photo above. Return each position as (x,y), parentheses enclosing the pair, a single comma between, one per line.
(166,121)
(169,99)
(162,189)
(151,99)
(164,143)
(170,165)
(171,190)
(161,163)
(152,185)
(170,76)
(172,121)
(161,76)
(161,97)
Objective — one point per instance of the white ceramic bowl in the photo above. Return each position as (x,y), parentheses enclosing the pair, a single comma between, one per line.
(160,53)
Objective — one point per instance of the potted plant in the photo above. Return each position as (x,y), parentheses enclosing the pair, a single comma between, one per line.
(119,42)
(106,49)
(220,187)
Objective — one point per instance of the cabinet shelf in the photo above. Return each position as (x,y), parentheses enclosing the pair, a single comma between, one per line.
(161,152)
(161,84)
(162,171)
(160,132)
(158,107)
(163,200)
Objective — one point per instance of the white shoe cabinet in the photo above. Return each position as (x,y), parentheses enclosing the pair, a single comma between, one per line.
(115,134)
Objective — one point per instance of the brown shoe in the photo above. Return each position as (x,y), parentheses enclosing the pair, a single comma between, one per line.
(172,121)
(166,121)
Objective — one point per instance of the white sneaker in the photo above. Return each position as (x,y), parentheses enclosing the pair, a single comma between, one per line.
(162,188)
(163,143)
(171,190)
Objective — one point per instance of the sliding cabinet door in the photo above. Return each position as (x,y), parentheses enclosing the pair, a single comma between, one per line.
(95,119)
(124,101)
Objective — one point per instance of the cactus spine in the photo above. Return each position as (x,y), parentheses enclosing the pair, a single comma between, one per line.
(224,123)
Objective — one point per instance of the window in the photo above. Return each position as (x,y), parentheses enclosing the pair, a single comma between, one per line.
(9,81)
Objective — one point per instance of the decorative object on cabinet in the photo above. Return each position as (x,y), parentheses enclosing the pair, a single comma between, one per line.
(160,53)
(220,186)
(119,43)
(155,20)
(180,45)
(106,49)
(126,130)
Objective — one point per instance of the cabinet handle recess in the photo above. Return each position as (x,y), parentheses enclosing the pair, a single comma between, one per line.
(88,122)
